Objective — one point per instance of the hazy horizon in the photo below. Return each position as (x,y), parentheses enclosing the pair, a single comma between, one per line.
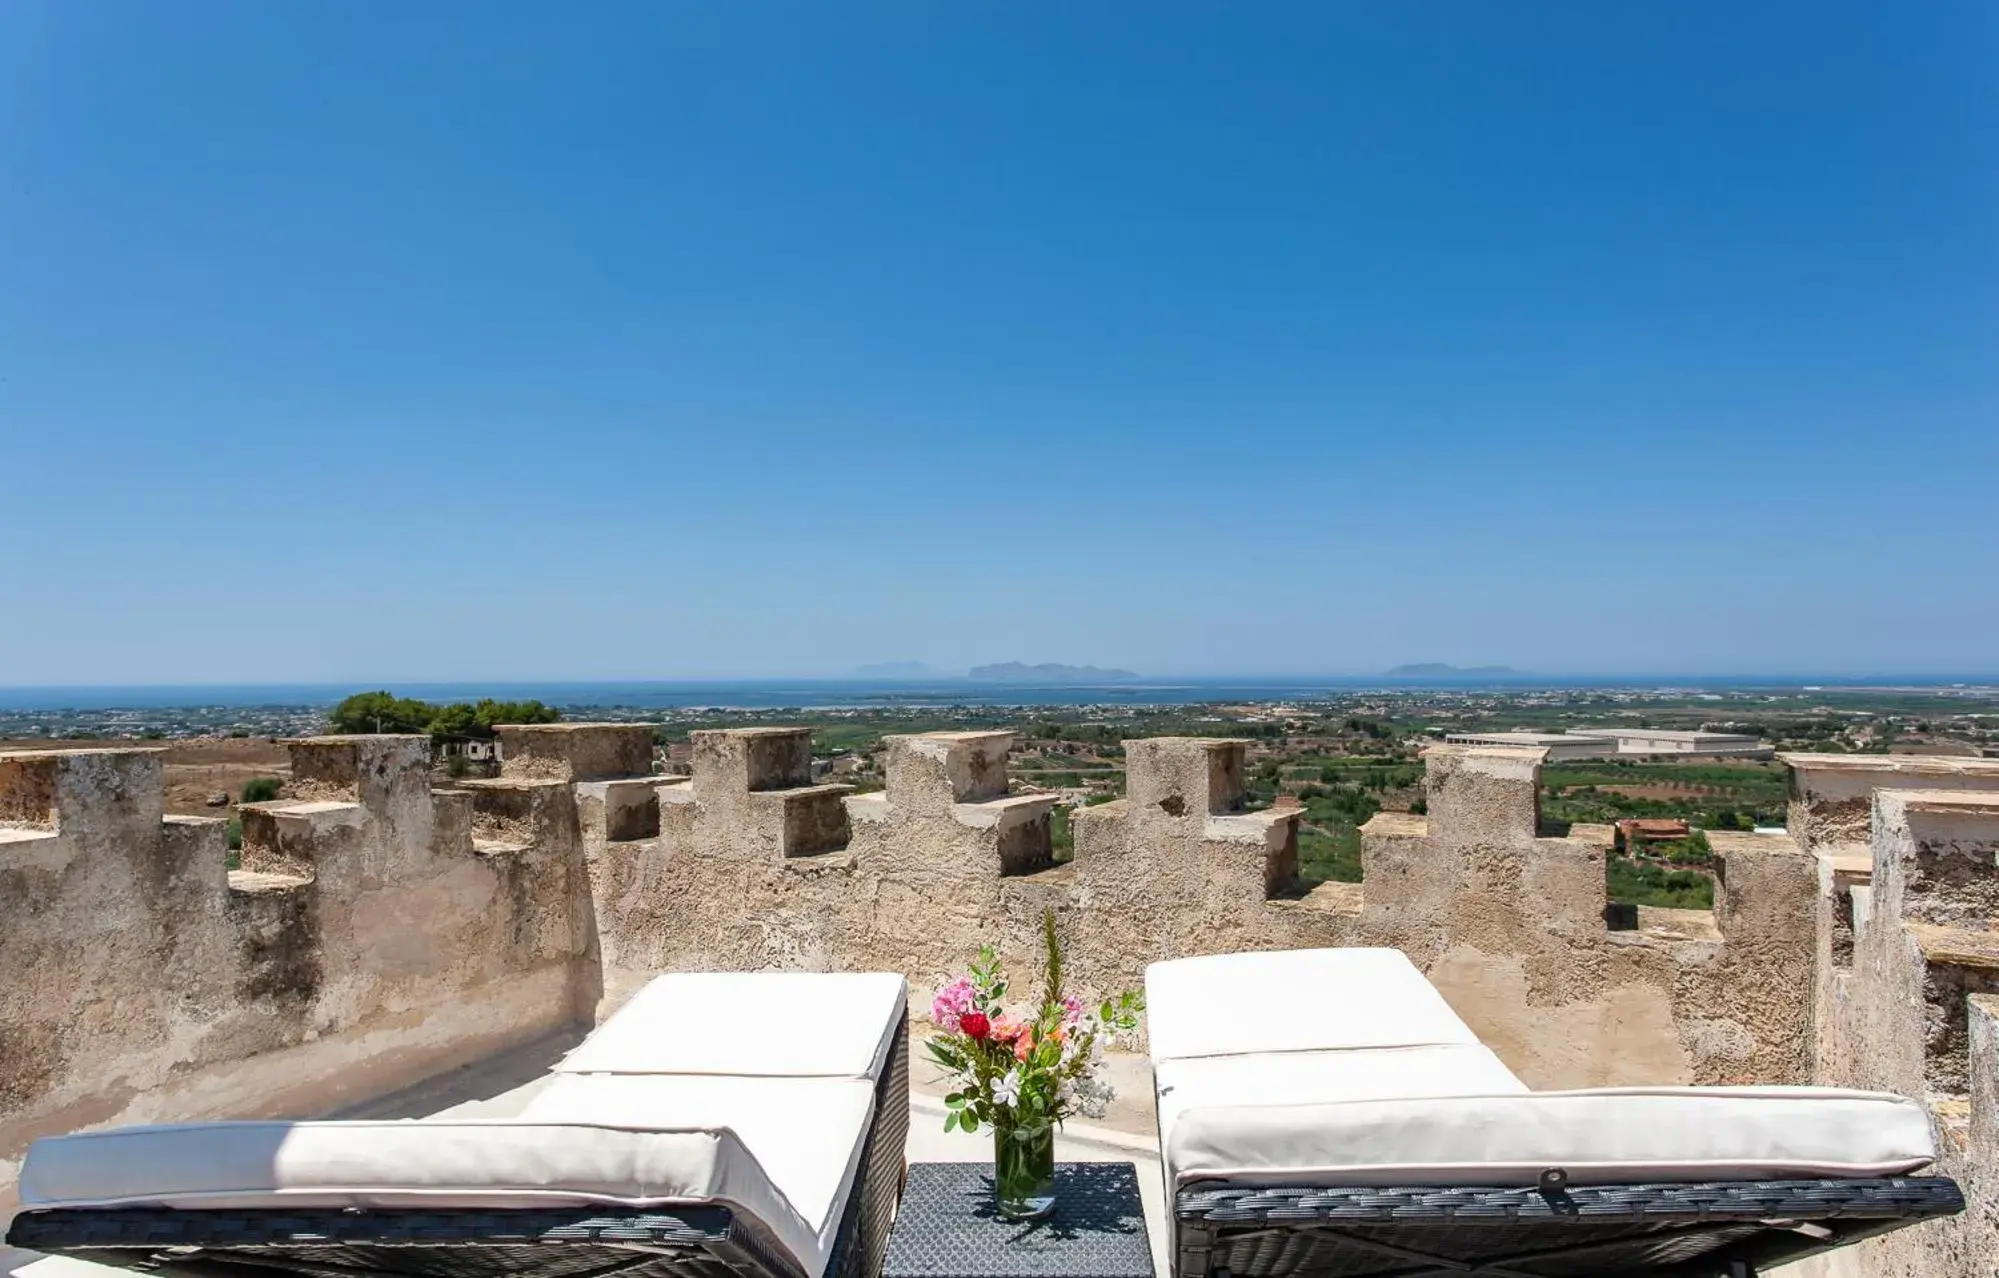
(1528,678)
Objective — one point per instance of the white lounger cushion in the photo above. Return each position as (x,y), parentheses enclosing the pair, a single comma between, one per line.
(413,1164)
(1292,1001)
(805,1133)
(787,1024)
(1614,1134)
(1346,1066)
(1318,1078)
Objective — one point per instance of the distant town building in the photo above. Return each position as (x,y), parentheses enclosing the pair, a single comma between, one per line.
(1671,741)
(1637,830)
(1559,745)
(1599,743)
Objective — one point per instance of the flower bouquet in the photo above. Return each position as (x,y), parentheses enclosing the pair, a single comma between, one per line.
(1022,1075)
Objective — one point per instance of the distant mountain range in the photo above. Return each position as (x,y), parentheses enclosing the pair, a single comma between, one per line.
(1438,670)
(1048,672)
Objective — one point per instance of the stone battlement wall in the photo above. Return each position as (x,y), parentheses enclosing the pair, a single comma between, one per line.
(1510,926)
(380,929)
(367,940)
(1907,968)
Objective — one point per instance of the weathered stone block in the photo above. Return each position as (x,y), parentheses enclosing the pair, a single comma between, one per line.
(733,761)
(929,772)
(619,811)
(1274,835)
(1184,777)
(1021,827)
(28,790)
(811,820)
(1487,794)
(574,751)
(291,837)
(380,772)
(1831,794)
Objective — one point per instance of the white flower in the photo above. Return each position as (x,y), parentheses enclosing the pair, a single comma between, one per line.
(1093,1096)
(1007,1090)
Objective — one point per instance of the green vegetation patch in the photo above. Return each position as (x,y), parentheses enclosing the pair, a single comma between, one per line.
(1632,882)
(1708,796)
(1324,857)
(386,712)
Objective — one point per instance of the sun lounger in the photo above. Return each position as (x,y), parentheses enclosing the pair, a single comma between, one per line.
(1325,1112)
(719,1124)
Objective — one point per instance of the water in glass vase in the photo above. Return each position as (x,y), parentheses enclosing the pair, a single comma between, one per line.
(1023,1171)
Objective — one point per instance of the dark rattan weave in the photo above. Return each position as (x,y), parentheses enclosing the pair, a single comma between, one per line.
(692,1243)
(689,1242)
(1730,1229)
(948,1228)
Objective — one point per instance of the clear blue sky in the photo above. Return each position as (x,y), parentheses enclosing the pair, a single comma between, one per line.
(480,341)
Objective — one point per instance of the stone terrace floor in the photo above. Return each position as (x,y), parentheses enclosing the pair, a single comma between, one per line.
(501,1086)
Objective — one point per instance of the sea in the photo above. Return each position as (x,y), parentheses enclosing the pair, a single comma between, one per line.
(784,694)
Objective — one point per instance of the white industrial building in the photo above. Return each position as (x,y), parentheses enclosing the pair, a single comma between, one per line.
(1559,745)
(1602,743)
(1672,741)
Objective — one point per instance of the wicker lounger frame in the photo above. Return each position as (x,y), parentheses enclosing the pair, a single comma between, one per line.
(689,1242)
(1731,1229)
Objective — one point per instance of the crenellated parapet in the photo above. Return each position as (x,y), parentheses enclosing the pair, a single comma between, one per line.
(751,798)
(814,874)
(1509,920)
(1182,834)
(1914,1010)
(363,942)
(1832,795)
(951,788)
(1833,817)
(101,899)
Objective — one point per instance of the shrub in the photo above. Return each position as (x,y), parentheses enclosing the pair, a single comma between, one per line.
(260,790)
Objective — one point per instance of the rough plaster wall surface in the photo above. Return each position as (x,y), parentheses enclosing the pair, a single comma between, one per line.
(574,751)
(144,981)
(1831,805)
(1901,1018)
(1510,927)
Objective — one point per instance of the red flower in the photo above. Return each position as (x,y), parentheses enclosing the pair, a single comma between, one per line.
(975,1025)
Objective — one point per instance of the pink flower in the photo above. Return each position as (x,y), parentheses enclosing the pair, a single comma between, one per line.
(1072,1009)
(951,1004)
(1006,1029)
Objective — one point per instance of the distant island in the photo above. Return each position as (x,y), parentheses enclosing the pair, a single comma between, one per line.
(1047,672)
(1438,670)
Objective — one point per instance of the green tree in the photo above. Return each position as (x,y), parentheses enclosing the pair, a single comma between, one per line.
(490,713)
(381,712)
(384,712)
(260,790)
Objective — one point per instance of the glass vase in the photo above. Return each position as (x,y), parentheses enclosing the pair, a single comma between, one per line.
(1023,1170)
